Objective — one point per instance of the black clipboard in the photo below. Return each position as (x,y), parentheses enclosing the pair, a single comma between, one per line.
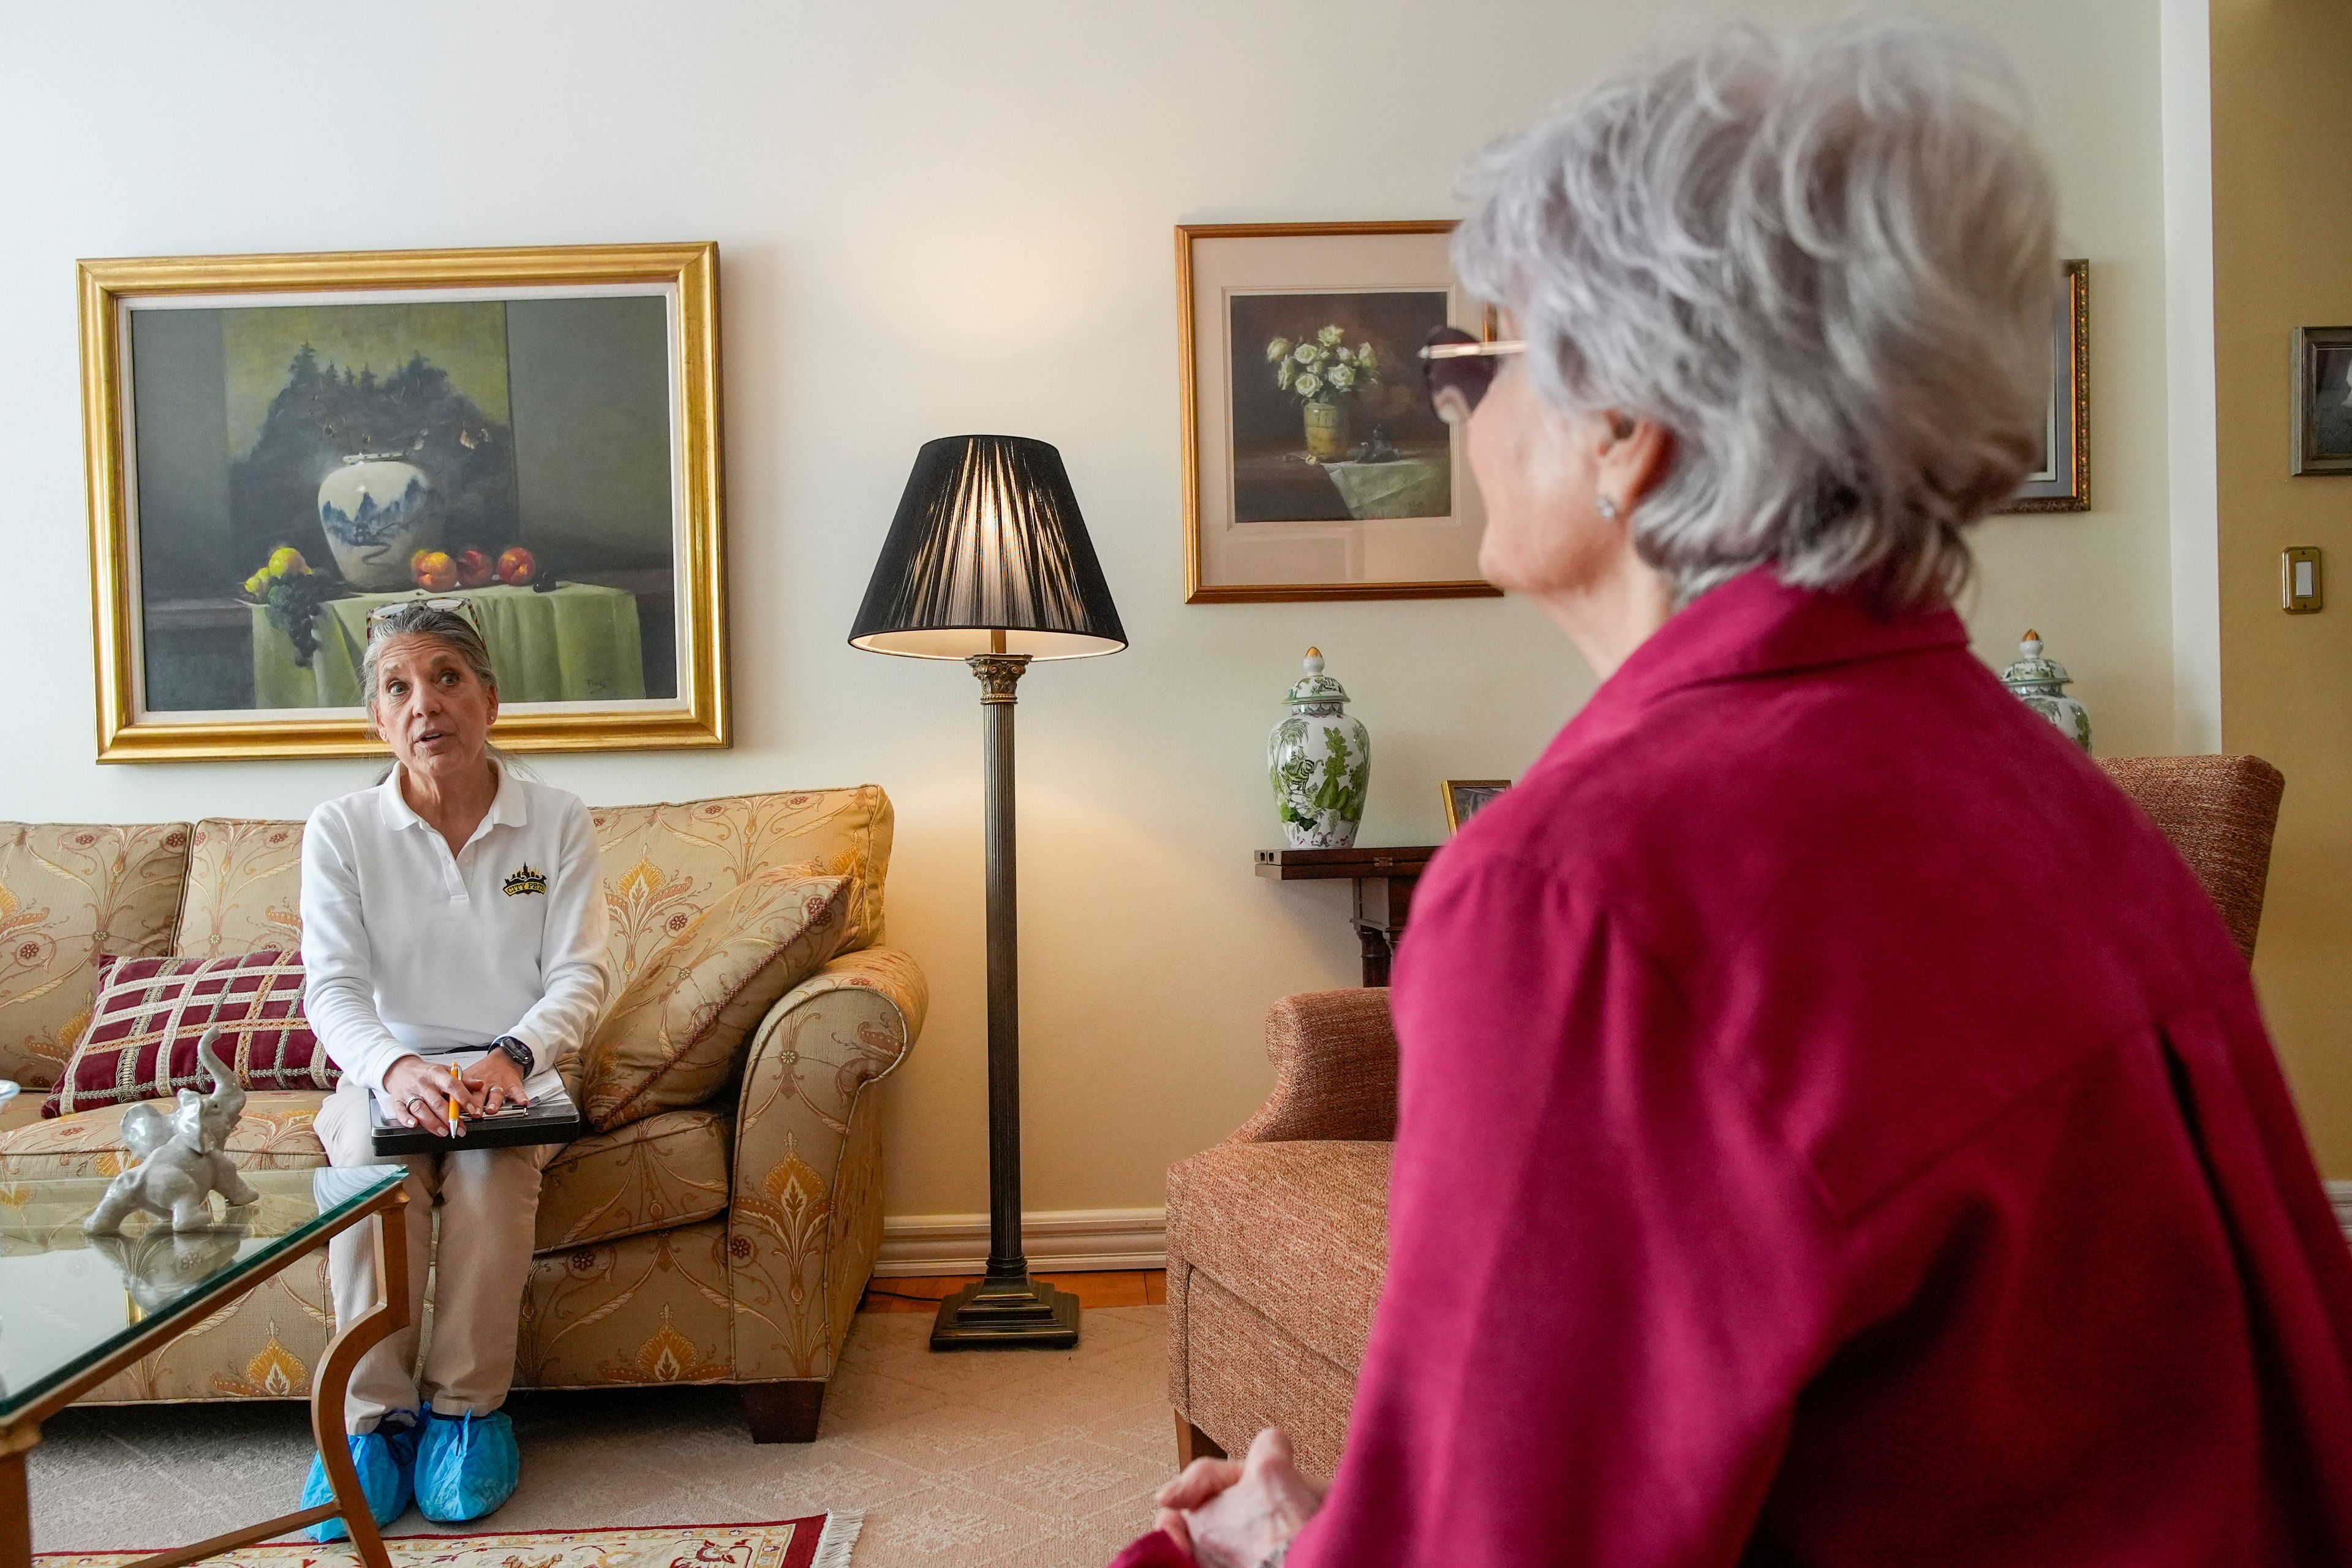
(552,1118)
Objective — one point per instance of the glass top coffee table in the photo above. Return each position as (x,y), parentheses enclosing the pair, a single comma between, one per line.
(75,1309)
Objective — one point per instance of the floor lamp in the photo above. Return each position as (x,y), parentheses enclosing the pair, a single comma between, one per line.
(988,562)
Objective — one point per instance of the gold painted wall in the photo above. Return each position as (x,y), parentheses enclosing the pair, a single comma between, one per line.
(2283,258)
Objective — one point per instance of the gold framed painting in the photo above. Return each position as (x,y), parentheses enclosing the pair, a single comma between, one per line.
(2062,482)
(1314,467)
(280,445)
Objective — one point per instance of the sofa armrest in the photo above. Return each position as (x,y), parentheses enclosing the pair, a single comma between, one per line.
(804,1212)
(1335,1059)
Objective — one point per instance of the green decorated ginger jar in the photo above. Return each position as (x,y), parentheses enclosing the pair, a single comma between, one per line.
(1319,760)
(2040,684)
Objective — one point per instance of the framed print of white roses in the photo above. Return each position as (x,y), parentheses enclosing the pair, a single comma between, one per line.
(1314,467)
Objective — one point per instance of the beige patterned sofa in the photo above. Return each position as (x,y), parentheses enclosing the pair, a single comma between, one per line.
(725,1243)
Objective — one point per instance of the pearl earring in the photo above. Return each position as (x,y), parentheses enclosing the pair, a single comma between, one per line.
(1606,506)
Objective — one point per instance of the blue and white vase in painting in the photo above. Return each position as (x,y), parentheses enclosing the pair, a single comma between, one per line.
(2040,684)
(378,512)
(1320,761)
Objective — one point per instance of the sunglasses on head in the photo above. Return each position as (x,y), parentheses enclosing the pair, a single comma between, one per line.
(1456,369)
(383,613)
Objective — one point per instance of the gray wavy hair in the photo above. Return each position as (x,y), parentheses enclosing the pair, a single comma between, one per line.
(1824,260)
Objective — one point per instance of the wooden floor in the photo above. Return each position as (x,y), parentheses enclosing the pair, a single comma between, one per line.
(1131,1287)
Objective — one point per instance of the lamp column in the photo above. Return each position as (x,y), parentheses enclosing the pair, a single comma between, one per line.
(1006,1309)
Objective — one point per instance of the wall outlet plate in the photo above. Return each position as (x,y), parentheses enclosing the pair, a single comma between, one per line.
(2299,584)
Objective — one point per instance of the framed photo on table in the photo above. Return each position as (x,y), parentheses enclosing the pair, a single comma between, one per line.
(2062,481)
(1466,798)
(1314,467)
(279,446)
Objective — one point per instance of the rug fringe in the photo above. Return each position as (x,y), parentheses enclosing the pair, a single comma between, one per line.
(833,1547)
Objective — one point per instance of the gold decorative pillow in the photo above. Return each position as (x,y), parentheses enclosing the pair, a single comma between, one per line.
(673,1038)
(69,892)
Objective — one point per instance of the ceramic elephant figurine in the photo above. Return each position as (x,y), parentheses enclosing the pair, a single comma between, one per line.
(182,1155)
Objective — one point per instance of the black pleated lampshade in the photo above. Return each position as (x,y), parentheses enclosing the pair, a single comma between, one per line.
(988,554)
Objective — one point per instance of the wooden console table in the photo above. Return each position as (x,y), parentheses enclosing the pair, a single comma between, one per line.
(1384,879)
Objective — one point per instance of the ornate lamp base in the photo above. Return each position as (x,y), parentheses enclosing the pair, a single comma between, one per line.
(1010,1312)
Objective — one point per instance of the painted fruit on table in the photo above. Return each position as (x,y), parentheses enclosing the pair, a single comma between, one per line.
(436,572)
(516,567)
(474,569)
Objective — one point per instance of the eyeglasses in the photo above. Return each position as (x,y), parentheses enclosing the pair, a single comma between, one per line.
(1456,369)
(383,613)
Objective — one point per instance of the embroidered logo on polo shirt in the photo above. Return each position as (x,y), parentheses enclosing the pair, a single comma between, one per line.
(526,881)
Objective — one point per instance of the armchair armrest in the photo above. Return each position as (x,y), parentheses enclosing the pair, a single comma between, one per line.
(1335,1058)
(805,1212)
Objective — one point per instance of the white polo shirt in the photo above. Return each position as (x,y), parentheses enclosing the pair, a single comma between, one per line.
(406,947)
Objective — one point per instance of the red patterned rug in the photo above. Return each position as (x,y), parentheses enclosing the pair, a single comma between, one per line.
(820,1541)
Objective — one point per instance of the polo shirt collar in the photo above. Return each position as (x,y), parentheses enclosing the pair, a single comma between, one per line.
(507,807)
(1755,625)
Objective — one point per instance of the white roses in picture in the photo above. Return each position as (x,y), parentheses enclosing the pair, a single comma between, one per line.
(1322,368)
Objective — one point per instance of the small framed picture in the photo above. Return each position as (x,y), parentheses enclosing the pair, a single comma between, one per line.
(2062,481)
(1314,466)
(1466,798)
(2322,400)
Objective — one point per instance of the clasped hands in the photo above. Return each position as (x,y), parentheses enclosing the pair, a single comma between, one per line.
(420,1092)
(1232,1515)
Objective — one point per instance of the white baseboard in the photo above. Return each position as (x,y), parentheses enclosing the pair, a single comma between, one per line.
(1064,1241)
(1077,1241)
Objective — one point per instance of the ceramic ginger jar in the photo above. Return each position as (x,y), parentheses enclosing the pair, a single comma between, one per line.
(2040,684)
(377,511)
(1319,760)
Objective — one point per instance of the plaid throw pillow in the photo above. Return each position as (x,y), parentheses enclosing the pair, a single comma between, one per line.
(151,1012)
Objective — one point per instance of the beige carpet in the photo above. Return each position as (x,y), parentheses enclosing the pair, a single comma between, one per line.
(1040,1459)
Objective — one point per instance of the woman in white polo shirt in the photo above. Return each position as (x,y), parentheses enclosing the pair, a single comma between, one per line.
(452,905)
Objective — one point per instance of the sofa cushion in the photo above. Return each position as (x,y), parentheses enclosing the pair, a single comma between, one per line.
(274,1134)
(665,1171)
(151,1015)
(674,1035)
(665,861)
(1296,1231)
(69,892)
(244,888)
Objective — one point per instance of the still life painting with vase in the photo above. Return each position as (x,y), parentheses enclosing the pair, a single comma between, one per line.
(286,452)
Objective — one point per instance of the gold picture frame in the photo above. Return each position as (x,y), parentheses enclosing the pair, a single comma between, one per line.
(2064,484)
(1464,798)
(648,399)
(1327,548)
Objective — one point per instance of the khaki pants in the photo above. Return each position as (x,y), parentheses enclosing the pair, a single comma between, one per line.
(487,1202)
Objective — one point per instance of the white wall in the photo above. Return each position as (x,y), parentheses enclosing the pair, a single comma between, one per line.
(937,217)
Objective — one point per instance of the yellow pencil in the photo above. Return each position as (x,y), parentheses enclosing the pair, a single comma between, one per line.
(456,1123)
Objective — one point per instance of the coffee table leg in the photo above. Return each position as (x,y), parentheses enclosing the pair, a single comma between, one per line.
(15,1500)
(373,1327)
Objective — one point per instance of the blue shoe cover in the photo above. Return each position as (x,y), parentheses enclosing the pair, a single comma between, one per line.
(386,1461)
(465,1467)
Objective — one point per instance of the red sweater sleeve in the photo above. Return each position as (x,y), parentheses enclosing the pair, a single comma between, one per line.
(1157,1549)
(1607,1278)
